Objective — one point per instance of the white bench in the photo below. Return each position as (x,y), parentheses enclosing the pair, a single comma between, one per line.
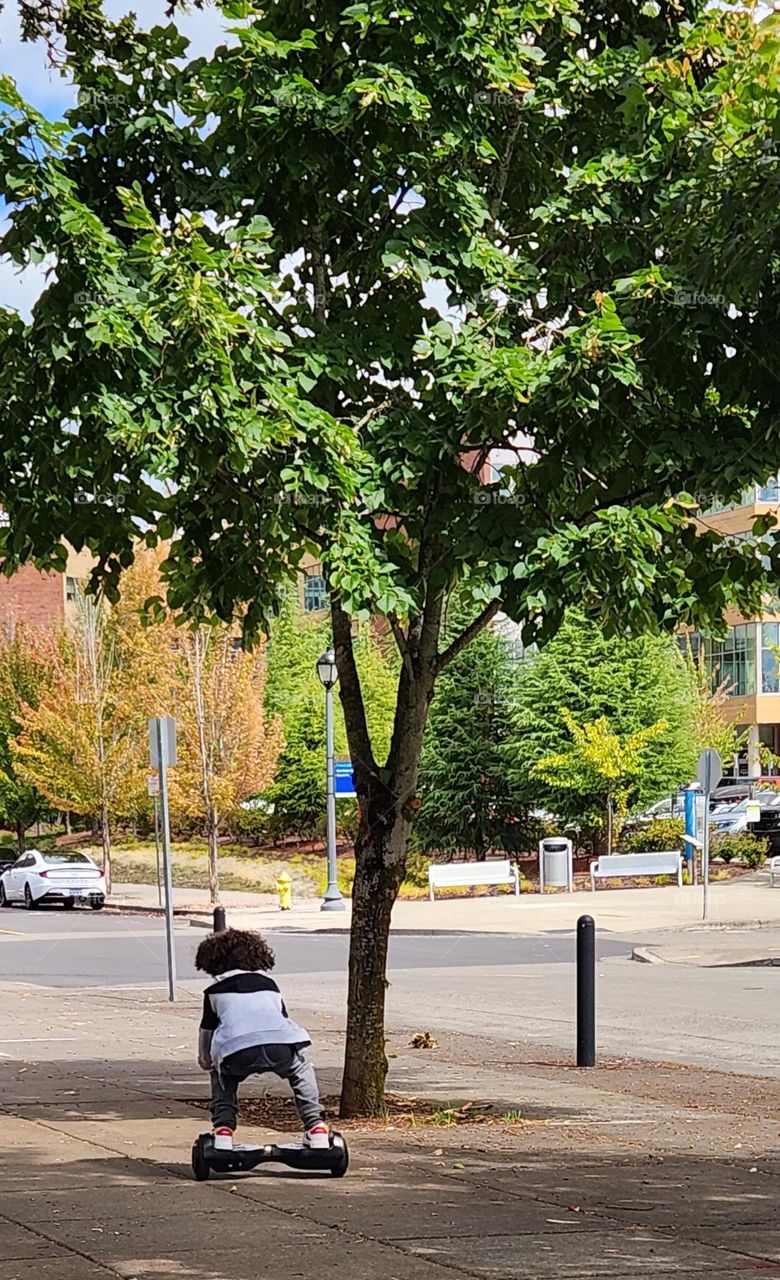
(448,874)
(636,864)
(774,870)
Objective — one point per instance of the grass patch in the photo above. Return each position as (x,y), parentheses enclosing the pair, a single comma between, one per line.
(279,1114)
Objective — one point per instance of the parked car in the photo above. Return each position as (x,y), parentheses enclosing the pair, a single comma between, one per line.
(668,807)
(65,876)
(733,818)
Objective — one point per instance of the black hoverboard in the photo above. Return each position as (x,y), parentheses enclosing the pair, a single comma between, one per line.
(207,1160)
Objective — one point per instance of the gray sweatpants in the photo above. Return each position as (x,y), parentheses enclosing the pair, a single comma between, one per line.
(281,1060)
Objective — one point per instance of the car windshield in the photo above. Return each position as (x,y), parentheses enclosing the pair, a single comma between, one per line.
(54,859)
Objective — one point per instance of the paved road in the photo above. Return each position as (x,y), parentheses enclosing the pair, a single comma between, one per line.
(513,989)
(55,948)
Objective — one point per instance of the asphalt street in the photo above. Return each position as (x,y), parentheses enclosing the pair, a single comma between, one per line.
(51,947)
(512,989)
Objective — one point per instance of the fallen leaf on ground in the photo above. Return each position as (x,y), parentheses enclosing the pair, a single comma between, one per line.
(423,1040)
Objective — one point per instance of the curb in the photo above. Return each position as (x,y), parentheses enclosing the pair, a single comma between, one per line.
(138,909)
(645,956)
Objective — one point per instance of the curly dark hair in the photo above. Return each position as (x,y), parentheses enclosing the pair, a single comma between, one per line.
(234,949)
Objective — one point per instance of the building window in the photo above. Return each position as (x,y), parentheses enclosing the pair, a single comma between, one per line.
(315,594)
(769,492)
(733,660)
(691,642)
(71,590)
(770,649)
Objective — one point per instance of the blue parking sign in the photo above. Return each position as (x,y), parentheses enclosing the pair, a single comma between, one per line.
(344,779)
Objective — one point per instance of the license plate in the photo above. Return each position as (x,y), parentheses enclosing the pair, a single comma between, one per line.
(78,893)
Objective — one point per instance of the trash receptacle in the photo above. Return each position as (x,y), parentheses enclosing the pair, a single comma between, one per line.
(556,864)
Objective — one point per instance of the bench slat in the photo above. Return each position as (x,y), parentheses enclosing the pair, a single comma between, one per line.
(449,874)
(659,863)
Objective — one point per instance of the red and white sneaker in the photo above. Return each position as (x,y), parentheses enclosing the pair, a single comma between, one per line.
(223,1139)
(317,1137)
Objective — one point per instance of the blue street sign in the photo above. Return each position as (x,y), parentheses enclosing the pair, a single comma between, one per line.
(344,779)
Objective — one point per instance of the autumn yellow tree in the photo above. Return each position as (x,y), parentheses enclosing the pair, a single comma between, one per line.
(26,668)
(81,744)
(610,762)
(227,747)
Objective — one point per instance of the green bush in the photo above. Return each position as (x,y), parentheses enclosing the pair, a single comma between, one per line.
(661,834)
(251,824)
(743,846)
(345,874)
(417,870)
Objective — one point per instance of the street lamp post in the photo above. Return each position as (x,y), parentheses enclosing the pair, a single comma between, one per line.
(328,674)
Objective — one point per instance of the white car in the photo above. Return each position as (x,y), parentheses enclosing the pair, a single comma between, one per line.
(62,876)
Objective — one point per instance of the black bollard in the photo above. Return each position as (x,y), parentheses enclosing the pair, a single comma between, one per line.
(586,992)
(219,920)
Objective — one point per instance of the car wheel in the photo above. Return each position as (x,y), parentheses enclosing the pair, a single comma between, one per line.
(5,901)
(29,900)
(97,906)
(68,904)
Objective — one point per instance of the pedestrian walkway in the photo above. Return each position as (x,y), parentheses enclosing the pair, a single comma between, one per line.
(748,900)
(626,1172)
(728,947)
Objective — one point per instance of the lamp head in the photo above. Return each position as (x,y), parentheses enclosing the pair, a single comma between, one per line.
(327,670)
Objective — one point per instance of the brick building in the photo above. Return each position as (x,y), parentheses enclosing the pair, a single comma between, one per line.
(747,658)
(41,599)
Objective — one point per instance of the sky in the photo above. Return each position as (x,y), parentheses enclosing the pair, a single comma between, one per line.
(43,86)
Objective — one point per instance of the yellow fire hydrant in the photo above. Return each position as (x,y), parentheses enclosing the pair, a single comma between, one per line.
(284,889)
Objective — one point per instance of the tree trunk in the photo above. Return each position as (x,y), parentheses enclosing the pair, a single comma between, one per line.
(67,822)
(387,806)
(380,863)
(105,836)
(610,820)
(21,832)
(212,829)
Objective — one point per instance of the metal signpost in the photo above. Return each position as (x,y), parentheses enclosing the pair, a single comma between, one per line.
(162,753)
(327,670)
(709,771)
(153,789)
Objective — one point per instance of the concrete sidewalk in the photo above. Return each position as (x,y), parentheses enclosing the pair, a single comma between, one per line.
(715,949)
(747,900)
(628,1172)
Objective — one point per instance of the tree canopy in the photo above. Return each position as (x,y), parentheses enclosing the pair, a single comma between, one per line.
(242,247)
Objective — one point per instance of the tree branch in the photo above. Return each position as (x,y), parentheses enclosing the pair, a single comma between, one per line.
(504,166)
(465,637)
(400,640)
